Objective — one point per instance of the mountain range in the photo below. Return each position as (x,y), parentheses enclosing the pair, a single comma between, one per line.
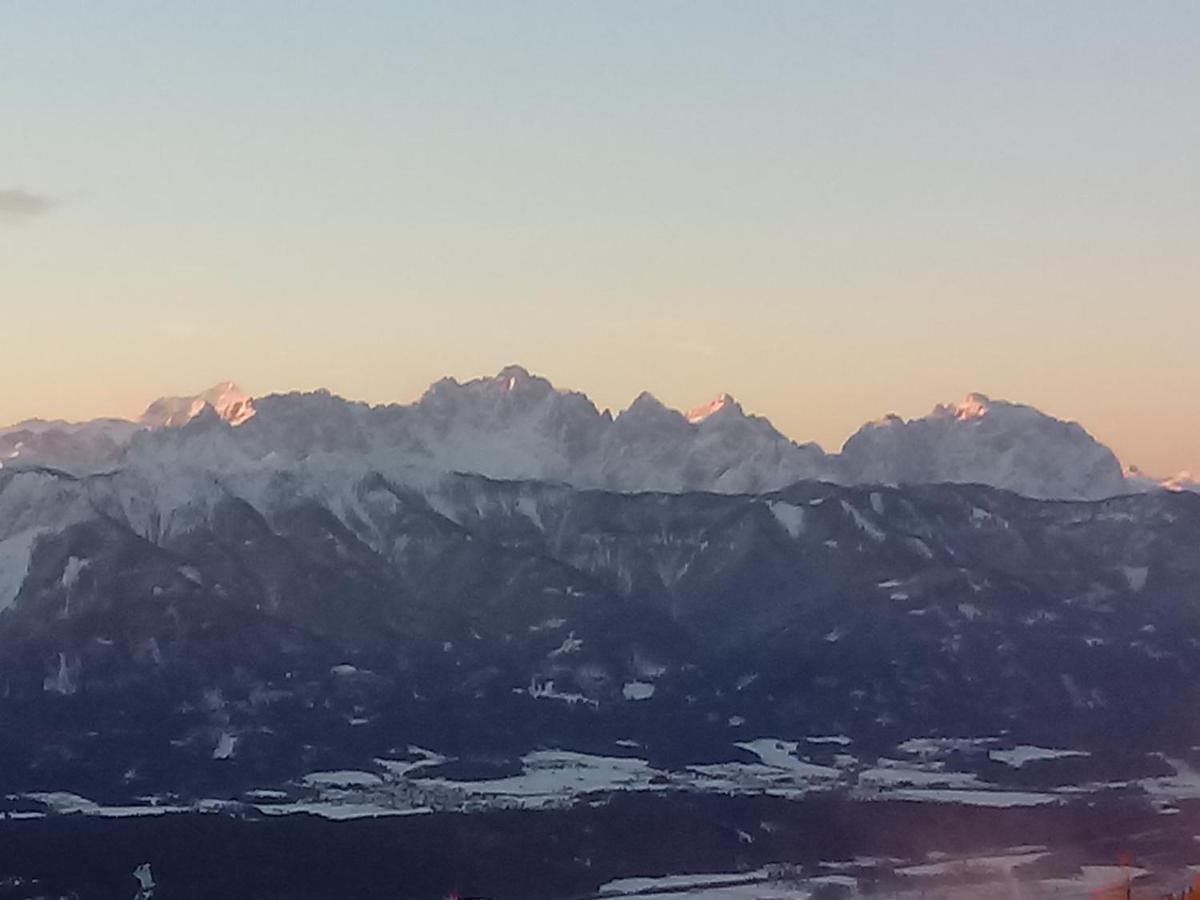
(170,632)
(500,598)
(515,425)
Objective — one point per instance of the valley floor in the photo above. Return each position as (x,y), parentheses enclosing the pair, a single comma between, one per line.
(643,845)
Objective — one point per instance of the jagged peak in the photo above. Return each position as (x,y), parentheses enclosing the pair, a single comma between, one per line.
(648,408)
(710,409)
(974,406)
(542,430)
(891,420)
(230,403)
(646,400)
(512,377)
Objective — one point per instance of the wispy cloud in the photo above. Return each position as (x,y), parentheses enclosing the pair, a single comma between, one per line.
(16,203)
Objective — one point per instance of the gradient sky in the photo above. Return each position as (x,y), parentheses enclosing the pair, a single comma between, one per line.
(830,210)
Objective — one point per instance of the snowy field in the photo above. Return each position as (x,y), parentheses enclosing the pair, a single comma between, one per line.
(921,770)
(995,876)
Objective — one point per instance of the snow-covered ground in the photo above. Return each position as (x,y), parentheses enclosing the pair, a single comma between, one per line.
(338,811)
(1003,875)
(993,798)
(756,885)
(1023,753)
(920,771)
(625,886)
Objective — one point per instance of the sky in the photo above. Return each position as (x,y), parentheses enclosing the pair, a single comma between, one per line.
(830,210)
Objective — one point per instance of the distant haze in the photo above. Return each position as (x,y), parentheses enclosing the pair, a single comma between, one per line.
(831,211)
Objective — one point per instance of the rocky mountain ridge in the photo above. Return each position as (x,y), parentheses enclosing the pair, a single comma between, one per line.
(516,425)
(165,630)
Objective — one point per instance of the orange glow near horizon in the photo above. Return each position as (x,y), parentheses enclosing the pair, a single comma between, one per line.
(831,211)
(831,437)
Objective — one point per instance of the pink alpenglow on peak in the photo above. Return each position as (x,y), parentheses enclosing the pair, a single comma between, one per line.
(975,406)
(984,441)
(226,399)
(1180,481)
(700,413)
(517,425)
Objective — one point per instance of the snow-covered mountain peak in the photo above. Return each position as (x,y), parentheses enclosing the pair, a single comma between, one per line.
(518,425)
(972,408)
(229,402)
(510,384)
(512,378)
(718,404)
(997,414)
(985,441)
(975,406)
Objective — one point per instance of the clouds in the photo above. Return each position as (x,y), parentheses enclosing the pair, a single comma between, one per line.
(19,205)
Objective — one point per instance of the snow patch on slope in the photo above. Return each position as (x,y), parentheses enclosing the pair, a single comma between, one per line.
(15,553)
